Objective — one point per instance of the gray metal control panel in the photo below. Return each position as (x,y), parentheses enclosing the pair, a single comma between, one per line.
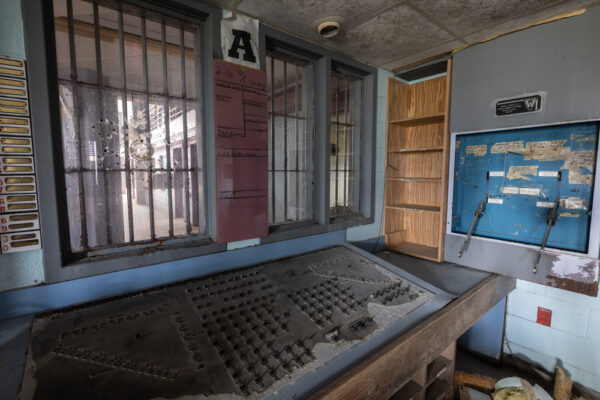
(250,333)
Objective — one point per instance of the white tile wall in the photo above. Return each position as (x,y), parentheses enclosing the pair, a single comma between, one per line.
(573,337)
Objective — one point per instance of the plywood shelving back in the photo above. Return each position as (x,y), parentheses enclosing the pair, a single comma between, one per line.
(416,164)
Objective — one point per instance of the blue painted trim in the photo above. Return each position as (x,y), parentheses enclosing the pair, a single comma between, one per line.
(64,294)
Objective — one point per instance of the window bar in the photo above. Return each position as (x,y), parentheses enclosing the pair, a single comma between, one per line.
(163,33)
(346,153)
(80,152)
(297,97)
(188,223)
(126,127)
(273,136)
(100,84)
(148,139)
(285,143)
(337,139)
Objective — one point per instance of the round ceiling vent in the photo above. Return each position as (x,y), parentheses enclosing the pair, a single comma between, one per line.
(328,29)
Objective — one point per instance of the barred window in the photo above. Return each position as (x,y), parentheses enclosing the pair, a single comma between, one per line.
(290,85)
(131,124)
(344,181)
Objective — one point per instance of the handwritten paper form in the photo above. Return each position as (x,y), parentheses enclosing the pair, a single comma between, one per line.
(242,152)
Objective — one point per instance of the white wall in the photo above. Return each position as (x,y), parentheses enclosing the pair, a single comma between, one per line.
(573,337)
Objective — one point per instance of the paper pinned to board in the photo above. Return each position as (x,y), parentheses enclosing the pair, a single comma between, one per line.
(519,172)
(477,151)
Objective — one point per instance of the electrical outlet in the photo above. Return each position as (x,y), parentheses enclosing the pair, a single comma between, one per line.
(544,316)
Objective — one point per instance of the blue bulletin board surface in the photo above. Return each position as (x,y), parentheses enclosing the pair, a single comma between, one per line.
(523,166)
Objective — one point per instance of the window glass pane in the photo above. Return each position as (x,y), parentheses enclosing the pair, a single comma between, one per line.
(132,156)
(344,183)
(290,109)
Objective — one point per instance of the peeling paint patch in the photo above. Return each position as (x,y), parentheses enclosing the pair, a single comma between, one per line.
(569,215)
(588,289)
(477,151)
(573,203)
(576,274)
(519,172)
(567,266)
(457,146)
(575,161)
(503,147)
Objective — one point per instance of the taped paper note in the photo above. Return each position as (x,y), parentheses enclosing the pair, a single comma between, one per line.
(496,173)
(477,151)
(573,203)
(569,215)
(548,174)
(510,190)
(503,147)
(519,172)
(544,204)
(495,201)
(529,191)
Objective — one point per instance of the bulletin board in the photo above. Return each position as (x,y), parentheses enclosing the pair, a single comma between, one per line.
(519,171)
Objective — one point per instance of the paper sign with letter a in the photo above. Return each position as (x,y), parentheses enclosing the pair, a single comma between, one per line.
(242,152)
(239,40)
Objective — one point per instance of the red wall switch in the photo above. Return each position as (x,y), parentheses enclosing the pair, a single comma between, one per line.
(544,316)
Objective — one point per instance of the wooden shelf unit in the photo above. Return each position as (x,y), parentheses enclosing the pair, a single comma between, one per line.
(417,167)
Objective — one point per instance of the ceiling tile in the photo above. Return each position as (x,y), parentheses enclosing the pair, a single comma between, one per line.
(528,19)
(396,33)
(439,50)
(300,16)
(466,16)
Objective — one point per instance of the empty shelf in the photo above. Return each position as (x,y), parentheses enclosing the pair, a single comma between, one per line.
(417,250)
(423,119)
(418,207)
(407,392)
(416,150)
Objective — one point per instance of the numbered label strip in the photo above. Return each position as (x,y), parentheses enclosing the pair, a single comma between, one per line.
(13,87)
(22,241)
(15,145)
(16,165)
(12,68)
(19,222)
(14,106)
(17,184)
(14,126)
(18,202)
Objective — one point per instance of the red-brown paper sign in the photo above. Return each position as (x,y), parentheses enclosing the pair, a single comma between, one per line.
(242,152)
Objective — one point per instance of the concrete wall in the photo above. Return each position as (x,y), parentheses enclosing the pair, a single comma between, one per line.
(573,336)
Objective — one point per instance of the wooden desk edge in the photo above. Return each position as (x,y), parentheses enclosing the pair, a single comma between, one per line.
(379,376)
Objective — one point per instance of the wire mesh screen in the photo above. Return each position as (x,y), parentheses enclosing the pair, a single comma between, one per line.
(344,162)
(290,85)
(131,124)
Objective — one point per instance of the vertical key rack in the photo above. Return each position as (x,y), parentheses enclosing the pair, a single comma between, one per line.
(19,219)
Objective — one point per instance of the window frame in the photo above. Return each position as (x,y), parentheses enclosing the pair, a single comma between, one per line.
(45,119)
(59,262)
(325,61)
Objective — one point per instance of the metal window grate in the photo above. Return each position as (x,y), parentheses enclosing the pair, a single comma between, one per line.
(130,115)
(346,103)
(290,85)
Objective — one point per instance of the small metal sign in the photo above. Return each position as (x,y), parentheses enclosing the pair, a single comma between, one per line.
(519,105)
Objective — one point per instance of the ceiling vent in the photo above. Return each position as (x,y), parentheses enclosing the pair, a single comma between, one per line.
(328,29)
(424,71)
